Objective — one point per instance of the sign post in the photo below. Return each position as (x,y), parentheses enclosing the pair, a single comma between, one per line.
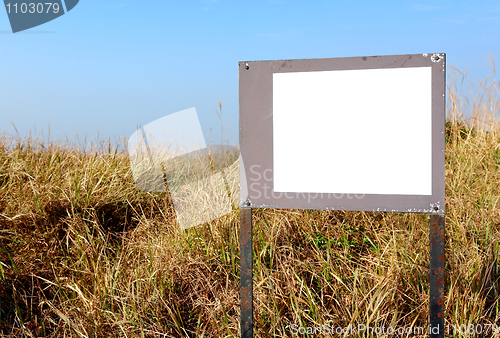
(383,117)
(436,290)
(246,275)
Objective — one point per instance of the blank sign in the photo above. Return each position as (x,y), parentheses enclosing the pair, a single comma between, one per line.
(356,133)
(362,131)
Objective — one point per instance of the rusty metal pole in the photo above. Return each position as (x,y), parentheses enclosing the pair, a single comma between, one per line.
(246,274)
(436,292)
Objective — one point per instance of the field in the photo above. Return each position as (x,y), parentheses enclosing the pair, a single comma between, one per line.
(83,253)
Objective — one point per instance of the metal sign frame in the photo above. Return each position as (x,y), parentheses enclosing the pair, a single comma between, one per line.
(256,136)
(256,147)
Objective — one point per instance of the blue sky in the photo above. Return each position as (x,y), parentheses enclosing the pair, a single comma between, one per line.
(107,66)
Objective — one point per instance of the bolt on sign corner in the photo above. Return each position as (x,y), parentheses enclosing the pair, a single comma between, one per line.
(357,133)
(26,14)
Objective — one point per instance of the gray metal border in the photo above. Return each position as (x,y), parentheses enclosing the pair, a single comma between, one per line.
(256,135)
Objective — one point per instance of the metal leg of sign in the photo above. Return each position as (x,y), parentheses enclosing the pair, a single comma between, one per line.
(436,292)
(246,275)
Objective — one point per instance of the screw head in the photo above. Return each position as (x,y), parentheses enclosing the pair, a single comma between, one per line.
(435,58)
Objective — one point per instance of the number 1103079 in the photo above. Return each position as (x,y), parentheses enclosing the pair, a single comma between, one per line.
(33,8)
(474,329)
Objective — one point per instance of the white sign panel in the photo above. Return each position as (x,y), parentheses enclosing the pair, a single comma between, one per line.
(377,122)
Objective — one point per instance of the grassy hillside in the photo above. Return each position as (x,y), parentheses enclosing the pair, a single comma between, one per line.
(83,253)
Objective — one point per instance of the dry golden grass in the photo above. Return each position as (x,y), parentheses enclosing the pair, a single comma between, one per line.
(83,253)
